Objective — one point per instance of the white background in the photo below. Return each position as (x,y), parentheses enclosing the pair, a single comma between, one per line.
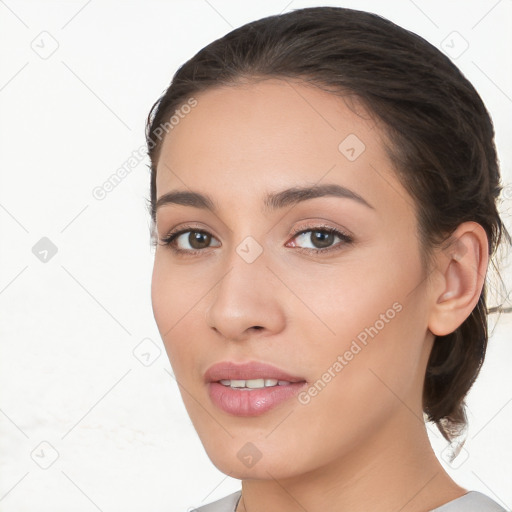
(69,326)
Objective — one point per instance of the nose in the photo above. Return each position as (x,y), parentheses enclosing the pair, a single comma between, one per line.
(247,299)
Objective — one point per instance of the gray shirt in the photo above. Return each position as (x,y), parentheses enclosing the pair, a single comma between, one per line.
(473,501)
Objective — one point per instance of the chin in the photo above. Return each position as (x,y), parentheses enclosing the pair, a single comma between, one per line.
(248,462)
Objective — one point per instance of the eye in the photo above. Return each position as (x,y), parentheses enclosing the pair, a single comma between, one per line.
(320,239)
(190,241)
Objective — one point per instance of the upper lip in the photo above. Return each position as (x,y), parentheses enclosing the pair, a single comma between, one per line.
(228,370)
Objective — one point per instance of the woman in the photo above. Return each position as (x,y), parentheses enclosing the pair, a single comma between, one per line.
(323,193)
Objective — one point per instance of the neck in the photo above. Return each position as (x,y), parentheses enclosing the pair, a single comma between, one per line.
(395,470)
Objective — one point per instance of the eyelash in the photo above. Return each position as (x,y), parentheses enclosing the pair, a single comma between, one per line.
(169,240)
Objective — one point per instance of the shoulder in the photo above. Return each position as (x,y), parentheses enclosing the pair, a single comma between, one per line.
(472,501)
(226,504)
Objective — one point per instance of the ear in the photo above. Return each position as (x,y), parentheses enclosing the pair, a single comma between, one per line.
(462,267)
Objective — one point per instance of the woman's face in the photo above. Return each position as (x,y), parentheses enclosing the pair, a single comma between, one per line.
(349,321)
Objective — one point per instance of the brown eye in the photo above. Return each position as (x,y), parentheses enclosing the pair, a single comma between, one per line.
(320,239)
(199,239)
(189,241)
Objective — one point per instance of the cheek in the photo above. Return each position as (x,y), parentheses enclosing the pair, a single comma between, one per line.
(169,306)
(376,338)
(161,297)
(367,293)
(174,293)
(178,304)
(357,386)
(369,331)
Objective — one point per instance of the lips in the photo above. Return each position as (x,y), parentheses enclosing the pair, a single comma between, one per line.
(250,389)
(252,370)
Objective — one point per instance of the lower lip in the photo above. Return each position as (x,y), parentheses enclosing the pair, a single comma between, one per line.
(251,402)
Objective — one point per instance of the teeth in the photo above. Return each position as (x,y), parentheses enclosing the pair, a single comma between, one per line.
(238,383)
(254,383)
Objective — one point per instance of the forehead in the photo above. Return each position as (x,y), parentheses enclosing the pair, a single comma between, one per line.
(268,135)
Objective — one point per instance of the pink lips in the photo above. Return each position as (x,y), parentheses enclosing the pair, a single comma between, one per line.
(244,371)
(250,402)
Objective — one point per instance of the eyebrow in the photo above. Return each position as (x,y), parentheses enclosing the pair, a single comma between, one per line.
(273,201)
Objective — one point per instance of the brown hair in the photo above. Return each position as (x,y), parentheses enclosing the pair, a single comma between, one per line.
(442,141)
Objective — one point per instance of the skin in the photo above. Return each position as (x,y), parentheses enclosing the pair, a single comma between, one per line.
(361,443)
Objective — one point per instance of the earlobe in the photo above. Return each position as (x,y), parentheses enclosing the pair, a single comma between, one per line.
(463,266)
